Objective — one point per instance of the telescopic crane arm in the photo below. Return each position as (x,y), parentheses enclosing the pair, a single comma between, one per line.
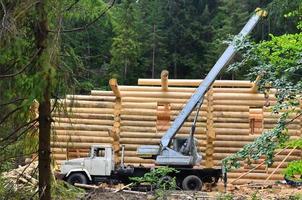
(197,98)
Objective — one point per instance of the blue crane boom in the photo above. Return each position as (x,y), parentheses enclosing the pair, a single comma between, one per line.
(165,155)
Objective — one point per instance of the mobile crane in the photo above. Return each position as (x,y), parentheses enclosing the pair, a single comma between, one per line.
(177,152)
(183,151)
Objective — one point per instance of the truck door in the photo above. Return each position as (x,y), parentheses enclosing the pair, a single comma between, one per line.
(99,164)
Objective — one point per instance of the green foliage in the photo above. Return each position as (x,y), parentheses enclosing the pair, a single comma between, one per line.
(61,190)
(278,63)
(255,196)
(154,175)
(294,143)
(225,196)
(125,48)
(293,169)
(158,178)
(264,145)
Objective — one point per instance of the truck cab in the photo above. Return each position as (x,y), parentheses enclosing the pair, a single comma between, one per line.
(82,170)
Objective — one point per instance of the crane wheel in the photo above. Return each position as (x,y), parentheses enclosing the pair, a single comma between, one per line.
(192,182)
(77,178)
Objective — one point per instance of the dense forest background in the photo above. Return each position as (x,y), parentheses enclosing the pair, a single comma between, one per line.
(49,48)
(140,38)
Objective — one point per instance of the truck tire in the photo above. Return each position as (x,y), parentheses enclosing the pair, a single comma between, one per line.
(192,182)
(77,178)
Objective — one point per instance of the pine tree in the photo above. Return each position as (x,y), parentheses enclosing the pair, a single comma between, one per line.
(125,48)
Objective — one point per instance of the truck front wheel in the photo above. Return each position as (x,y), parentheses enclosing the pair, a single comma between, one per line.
(77,178)
(192,182)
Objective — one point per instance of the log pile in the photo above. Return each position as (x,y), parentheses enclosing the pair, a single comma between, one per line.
(22,177)
(233,114)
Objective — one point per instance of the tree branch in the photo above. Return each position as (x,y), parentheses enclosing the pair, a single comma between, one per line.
(73,4)
(297,116)
(9,114)
(23,69)
(13,101)
(30,124)
(89,24)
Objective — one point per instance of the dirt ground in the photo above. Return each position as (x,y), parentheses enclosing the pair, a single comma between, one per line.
(247,192)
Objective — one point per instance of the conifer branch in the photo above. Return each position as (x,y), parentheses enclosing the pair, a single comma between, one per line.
(82,28)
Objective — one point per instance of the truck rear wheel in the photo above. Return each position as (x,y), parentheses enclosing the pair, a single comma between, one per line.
(77,178)
(192,182)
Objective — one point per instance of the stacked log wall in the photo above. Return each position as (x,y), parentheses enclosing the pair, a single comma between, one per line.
(237,114)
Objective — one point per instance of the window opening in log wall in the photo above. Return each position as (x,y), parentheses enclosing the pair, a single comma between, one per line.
(256,120)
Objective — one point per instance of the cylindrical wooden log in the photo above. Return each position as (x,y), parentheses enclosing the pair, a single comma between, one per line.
(150,99)
(85,103)
(138,160)
(84,139)
(152,105)
(139,117)
(261,176)
(231,114)
(164,80)
(227,138)
(240,96)
(240,102)
(146,135)
(275,120)
(176,113)
(232,131)
(230,143)
(81,133)
(90,98)
(66,126)
(220,156)
(191,118)
(187,82)
(83,115)
(126,111)
(90,110)
(167,94)
(182,89)
(232,125)
(249,181)
(180,106)
(73,144)
(101,93)
(83,121)
(138,129)
(231,108)
(289,126)
(114,87)
(138,123)
(151,141)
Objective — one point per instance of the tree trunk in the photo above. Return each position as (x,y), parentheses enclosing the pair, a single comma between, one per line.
(153,53)
(45,106)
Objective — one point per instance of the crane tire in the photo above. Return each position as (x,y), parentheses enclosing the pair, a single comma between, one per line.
(192,182)
(77,178)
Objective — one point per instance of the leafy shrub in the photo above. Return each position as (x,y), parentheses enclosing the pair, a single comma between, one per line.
(156,178)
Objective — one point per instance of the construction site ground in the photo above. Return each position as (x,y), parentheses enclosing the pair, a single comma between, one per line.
(246,192)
